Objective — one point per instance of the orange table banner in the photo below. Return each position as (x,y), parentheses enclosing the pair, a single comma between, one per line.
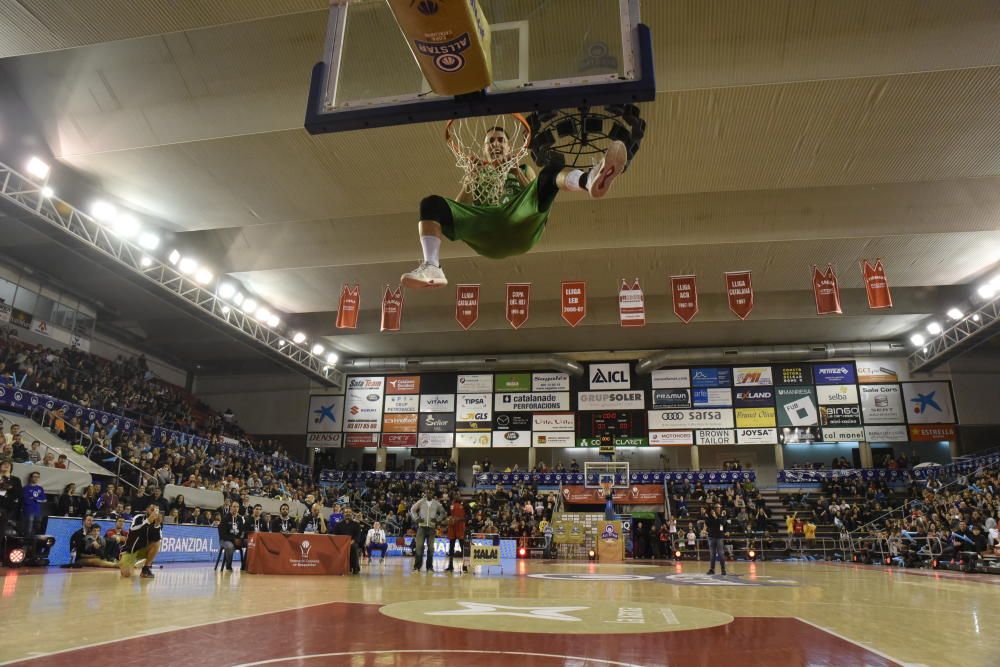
(275,553)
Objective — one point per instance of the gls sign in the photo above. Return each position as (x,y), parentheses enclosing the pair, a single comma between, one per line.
(610,376)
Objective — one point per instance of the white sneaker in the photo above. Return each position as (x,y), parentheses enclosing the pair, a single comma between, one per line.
(424,276)
(604,172)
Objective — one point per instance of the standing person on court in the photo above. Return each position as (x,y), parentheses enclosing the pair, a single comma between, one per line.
(512,225)
(715,524)
(427,513)
(456,530)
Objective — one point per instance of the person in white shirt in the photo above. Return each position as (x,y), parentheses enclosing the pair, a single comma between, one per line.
(375,541)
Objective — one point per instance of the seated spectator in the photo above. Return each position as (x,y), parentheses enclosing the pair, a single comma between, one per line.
(94,549)
(256,523)
(35,453)
(313,521)
(115,539)
(232,534)
(283,523)
(62,462)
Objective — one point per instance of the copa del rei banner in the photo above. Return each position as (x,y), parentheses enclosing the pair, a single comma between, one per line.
(739,290)
(392,308)
(518,301)
(467,305)
(876,285)
(685,292)
(826,291)
(350,306)
(574,302)
(631,304)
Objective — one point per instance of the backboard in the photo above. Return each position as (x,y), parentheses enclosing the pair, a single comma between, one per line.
(596,471)
(545,54)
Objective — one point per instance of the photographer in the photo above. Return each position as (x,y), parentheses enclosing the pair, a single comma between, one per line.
(143,542)
(715,525)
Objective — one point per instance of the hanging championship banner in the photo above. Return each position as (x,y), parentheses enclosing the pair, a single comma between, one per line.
(739,290)
(876,285)
(631,304)
(518,296)
(350,306)
(467,305)
(826,291)
(685,291)
(392,308)
(574,302)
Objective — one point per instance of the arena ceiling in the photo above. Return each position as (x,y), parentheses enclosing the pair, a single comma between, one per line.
(785,133)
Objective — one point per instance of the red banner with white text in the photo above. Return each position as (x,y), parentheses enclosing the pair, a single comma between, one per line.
(467,305)
(739,291)
(518,301)
(392,308)
(685,291)
(350,306)
(574,302)
(635,494)
(876,285)
(631,304)
(826,290)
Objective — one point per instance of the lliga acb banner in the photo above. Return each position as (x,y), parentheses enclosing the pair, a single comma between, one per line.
(350,306)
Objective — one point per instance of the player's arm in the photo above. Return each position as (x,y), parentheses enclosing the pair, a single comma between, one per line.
(525,174)
(464,196)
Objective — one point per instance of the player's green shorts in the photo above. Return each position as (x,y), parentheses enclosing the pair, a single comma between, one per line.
(500,231)
(128,559)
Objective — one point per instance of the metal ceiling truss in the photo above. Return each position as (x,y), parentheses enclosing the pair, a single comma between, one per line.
(975,328)
(163,279)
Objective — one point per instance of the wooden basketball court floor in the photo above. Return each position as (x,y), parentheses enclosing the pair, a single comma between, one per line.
(534,614)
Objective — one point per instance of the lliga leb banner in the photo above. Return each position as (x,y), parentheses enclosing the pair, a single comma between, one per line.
(631,304)
(685,294)
(350,306)
(467,305)
(739,291)
(518,302)
(574,302)
(826,291)
(876,285)
(392,308)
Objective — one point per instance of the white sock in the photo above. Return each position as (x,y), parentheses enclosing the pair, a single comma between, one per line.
(572,181)
(431,246)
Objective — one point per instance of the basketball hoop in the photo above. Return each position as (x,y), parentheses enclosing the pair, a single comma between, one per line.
(485,177)
(607,483)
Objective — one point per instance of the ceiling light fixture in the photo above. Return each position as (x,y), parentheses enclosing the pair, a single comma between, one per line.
(149,240)
(933,328)
(38,168)
(917,340)
(48,192)
(174,257)
(125,225)
(227,290)
(238,298)
(955,313)
(187,265)
(273,321)
(204,276)
(986,291)
(103,211)
(146,261)
(332,358)
(249,306)
(317,349)
(225,310)
(299,338)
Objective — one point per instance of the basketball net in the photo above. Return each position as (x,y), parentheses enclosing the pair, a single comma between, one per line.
(485,176)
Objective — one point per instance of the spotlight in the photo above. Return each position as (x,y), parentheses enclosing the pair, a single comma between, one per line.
(48,192)
(677,554)
(317,349)
(238,298)
(975,318)
(149,240)
(103,211)
(332,358)
(204,276)
(326,369)
(38,168)
(917,340)
(935,563)
(16,556)
(125,225)
(299,338)
(262,314)
(174,256)
(986,291)
(955,313)
(282,343)
(888,561)
(933,328)
(273,321)
(592,555)
(752,555)
(522,552)
(225,310)
(187,265)
(227,290)
(249,306)
(146,261)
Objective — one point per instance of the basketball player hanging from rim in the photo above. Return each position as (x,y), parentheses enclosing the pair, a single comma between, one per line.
(502,207)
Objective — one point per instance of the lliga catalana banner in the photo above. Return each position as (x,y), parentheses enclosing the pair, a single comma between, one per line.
(631,304)
(350,306)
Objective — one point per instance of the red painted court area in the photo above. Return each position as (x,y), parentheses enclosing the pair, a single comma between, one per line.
(358,635)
